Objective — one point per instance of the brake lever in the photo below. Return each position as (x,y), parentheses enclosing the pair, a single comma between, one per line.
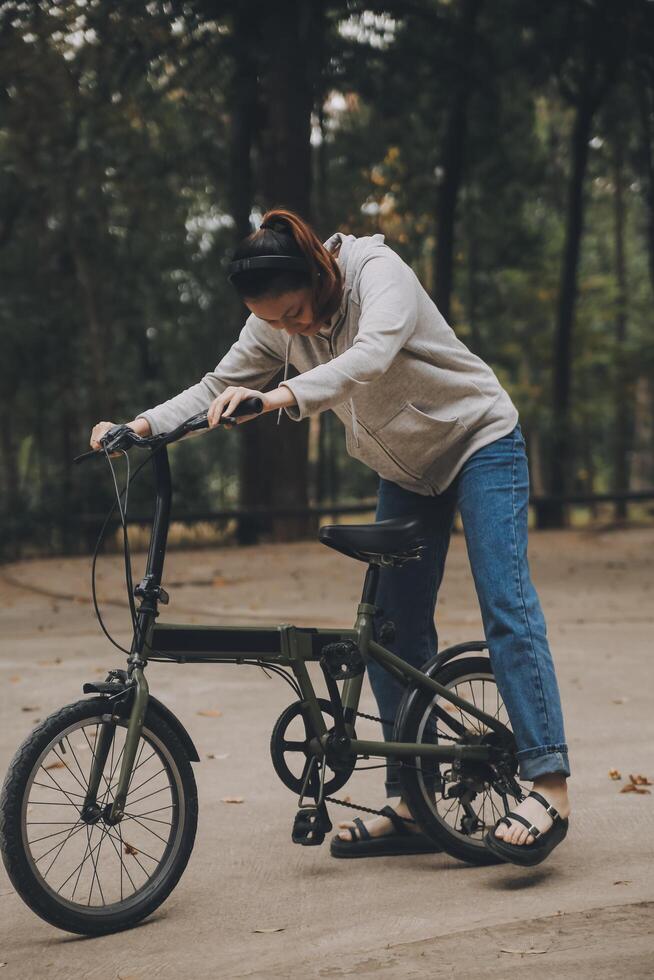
(116,434)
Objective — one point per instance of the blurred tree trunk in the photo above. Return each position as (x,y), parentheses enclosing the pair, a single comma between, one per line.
(453,152)
(644,86)
(560,459)
(643,456)
(11,549)
(244,102)
(280,458)
(596,72)
(622,429)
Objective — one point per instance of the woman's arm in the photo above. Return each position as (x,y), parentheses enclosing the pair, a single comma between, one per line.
(251,362)
(388,290)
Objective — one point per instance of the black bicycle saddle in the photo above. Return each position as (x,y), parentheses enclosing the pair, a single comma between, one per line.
(397,537)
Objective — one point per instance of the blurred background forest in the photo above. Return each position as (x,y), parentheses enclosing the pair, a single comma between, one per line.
(505,149)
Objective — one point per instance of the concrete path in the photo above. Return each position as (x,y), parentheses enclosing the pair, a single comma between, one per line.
(586,912)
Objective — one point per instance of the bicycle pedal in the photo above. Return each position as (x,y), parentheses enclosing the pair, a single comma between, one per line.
(308,827)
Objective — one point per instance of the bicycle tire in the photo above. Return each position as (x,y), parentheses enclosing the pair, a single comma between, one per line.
(409,726)
(16,851)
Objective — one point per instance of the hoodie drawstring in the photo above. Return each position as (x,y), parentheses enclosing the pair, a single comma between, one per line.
(355,427)
(289,341)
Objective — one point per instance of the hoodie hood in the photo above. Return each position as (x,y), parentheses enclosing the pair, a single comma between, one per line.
(348,258)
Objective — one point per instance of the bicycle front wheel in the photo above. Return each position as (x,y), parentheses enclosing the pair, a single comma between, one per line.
(72,866)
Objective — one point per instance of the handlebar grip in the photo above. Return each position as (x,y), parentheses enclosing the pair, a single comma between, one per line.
(249,406)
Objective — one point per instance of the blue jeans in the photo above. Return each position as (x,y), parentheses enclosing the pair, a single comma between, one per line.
(491,492)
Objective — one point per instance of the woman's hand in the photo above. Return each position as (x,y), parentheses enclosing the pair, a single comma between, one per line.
(226,402)
(141,426)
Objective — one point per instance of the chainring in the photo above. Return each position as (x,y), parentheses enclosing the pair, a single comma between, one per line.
(281,746)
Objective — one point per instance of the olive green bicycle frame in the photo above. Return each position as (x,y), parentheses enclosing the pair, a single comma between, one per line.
(282,646)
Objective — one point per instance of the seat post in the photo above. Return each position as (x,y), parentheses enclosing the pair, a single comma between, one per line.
(370,584)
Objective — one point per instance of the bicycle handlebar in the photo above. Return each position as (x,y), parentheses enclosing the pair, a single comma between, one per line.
(123,437)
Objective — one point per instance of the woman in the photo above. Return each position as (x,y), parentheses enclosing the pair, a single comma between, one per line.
(434,422)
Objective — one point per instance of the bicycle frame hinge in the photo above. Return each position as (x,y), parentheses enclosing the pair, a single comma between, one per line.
(146,590)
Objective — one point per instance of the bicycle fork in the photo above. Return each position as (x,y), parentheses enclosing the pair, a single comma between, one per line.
(116,809)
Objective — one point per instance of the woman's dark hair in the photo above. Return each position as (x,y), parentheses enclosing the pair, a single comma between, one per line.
(284,232)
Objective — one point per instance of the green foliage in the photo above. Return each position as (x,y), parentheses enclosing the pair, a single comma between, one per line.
(115,144)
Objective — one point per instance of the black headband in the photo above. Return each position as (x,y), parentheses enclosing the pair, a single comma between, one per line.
(266,262)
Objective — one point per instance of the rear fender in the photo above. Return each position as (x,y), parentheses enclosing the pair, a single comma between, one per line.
(431,667)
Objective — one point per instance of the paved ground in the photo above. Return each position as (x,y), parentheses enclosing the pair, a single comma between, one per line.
(587,912)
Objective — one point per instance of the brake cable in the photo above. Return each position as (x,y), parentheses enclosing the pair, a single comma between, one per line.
(126,550)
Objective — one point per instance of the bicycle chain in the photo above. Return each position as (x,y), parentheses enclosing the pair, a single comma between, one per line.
(369,809)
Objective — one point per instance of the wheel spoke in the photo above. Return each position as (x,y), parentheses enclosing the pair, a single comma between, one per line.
(80,865)
(60,788)
(68,769)
(94,876)
(73,831)
(143,816)
(149,829)
(148,795)
(56,833)
(150,778)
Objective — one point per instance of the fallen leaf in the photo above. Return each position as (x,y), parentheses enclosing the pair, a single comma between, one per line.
(59,764)
(218,580)
(216,755)
(232,799)
(639,780)
(614,774)
(620,700)
(210,713)
(50,663)
(30,707)
(129,849)
(631,788)
(15,679)
(272,929)
(627,881)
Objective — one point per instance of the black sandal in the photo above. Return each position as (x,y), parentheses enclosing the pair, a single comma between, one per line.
(544,841)
(402,841)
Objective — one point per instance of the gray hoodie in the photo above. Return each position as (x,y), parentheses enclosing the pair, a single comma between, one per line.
(415,402)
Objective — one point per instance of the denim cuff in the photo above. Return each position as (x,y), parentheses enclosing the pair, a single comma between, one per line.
(534,765)
(546,762)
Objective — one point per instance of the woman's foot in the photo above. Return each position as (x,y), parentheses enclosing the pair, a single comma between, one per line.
(553,787)
(379,826)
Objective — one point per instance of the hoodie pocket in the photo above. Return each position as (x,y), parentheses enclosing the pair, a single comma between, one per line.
(416,438)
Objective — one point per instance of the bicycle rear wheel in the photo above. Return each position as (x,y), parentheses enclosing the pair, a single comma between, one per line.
(75,869)
(455,804)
